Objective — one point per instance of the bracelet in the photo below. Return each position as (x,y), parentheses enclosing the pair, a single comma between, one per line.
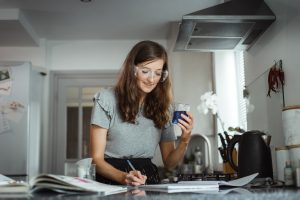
(185,142)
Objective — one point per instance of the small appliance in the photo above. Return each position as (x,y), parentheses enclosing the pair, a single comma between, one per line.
(254,154)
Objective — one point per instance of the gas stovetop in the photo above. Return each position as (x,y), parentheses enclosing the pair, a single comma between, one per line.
(216,176)
(219,176)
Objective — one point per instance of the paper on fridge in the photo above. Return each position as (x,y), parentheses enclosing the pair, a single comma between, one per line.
(5,81)
(5,88)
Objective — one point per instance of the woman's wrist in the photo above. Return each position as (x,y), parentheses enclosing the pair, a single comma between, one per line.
(123,178)
(185,141)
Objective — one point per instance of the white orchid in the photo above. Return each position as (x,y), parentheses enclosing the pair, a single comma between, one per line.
(208,103)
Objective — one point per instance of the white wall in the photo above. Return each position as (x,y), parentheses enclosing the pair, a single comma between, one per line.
(35,55)
(280,41)
(192,74)
(89,55)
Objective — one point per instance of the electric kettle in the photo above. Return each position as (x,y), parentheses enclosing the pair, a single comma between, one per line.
(254,154)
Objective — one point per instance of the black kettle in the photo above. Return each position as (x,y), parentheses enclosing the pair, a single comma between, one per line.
(254,154)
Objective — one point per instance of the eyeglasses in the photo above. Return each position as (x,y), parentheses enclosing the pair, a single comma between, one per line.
(144,73)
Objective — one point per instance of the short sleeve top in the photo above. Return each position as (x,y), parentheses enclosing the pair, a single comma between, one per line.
(127,140)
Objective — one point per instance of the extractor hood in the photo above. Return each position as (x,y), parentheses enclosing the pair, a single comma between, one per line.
(233,25)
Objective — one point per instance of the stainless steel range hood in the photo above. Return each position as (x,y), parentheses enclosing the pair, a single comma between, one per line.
(233,25)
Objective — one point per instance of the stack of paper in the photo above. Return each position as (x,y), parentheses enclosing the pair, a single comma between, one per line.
(198,186)
(173,187)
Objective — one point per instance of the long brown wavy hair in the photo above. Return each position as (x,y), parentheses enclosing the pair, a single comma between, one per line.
(157,102)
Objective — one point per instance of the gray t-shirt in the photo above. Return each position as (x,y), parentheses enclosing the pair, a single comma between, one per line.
(126,140)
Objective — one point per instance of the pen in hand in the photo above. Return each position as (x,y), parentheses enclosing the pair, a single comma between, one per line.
(137,174)
(131,166)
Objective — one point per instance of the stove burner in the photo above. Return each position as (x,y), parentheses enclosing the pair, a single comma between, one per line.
(218,176)
(206,177)
(265,183)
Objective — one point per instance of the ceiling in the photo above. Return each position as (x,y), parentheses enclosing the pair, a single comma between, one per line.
(25,22)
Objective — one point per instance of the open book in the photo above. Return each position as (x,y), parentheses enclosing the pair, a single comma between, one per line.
(198,186)
(63,184)
(8,185)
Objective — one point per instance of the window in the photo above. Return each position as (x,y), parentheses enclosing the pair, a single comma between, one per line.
(229,84)
(240,68)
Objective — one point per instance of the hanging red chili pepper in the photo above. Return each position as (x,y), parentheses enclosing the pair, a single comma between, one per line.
(275,77)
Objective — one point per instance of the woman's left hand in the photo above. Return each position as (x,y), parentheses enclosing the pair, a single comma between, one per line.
(186,126)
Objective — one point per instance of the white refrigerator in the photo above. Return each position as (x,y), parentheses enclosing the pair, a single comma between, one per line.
(21,89)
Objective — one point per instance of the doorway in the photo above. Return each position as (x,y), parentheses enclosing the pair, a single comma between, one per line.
(72,106)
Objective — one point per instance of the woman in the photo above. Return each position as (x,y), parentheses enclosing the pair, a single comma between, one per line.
(130,120)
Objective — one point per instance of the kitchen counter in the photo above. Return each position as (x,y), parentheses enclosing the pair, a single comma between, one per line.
(240,193)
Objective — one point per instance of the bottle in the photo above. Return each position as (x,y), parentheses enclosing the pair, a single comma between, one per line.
(198,161)
(288,174)
(298,175)
(198,156)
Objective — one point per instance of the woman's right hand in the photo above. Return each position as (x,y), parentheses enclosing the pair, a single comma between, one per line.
(135,178)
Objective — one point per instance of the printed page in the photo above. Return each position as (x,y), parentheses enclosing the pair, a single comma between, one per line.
(240,182)
(76,184)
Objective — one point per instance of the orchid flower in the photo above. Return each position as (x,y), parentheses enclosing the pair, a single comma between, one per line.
(208,102)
